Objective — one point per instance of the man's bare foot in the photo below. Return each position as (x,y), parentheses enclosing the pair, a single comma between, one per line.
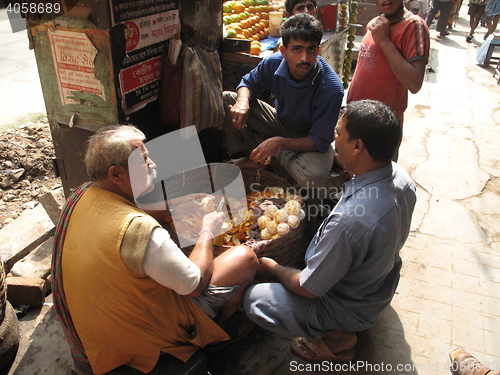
(338,341)
(257,246)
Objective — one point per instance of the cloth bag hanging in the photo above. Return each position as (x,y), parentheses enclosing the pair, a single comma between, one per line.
(201,90)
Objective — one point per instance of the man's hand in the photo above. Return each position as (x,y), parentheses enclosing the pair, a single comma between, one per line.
(265,151)
(380,30)
(409,74)
(266,267)
(289,277)
(212,222)
(240,110)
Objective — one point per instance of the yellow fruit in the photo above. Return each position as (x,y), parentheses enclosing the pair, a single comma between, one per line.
(239,8)
(255,49)
(231,33)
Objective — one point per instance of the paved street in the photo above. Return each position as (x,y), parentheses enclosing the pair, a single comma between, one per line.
(449,293)
(21,98)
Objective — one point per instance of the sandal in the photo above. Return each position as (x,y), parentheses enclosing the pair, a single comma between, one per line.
(468,38)
(463,363)
(318,351)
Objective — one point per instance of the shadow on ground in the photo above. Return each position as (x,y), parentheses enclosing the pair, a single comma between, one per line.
(381,349)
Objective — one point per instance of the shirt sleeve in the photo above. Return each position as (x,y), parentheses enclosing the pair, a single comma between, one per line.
(326,113)
(329,258)
(416,43)
(260,78)
(165,263)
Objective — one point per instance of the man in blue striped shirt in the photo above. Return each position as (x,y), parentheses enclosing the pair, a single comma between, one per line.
(297,132)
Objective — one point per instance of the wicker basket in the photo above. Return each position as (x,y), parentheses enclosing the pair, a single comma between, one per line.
(285,250)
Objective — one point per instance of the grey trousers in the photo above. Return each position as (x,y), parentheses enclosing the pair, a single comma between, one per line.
(308,169)
(274,308)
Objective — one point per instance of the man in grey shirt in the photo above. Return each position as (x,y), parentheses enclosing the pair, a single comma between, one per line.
(352,263)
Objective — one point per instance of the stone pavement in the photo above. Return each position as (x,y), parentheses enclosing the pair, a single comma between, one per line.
(449,293)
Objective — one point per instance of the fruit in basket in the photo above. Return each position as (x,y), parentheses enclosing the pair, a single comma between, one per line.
(272,227)
(280,216)
(270,211)
(283,229)
(262,221)
(292,207)
(266,220)
(265,235)
(293,221)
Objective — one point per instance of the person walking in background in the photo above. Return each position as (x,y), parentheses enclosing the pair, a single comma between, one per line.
(455,8)
(492,15)
(475,12)
(392,58)
(444,8)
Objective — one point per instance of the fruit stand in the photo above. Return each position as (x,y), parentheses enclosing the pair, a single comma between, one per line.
(248,36)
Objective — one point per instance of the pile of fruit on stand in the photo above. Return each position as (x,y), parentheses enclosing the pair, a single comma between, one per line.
(249,20)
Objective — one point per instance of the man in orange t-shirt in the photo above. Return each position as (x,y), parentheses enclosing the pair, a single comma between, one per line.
(392,58)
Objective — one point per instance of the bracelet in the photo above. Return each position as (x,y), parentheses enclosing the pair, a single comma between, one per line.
(206,231)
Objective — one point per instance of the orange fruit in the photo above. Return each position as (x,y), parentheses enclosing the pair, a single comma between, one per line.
(238,8)
(255,49)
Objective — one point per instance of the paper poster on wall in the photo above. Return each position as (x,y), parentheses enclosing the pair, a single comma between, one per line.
(125,10)
(145,41)
(74,55)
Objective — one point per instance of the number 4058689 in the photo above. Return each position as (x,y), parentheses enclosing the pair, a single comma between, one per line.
(28,7)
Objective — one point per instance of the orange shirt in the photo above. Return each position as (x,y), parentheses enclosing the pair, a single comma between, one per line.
(121,317)
(373,77)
